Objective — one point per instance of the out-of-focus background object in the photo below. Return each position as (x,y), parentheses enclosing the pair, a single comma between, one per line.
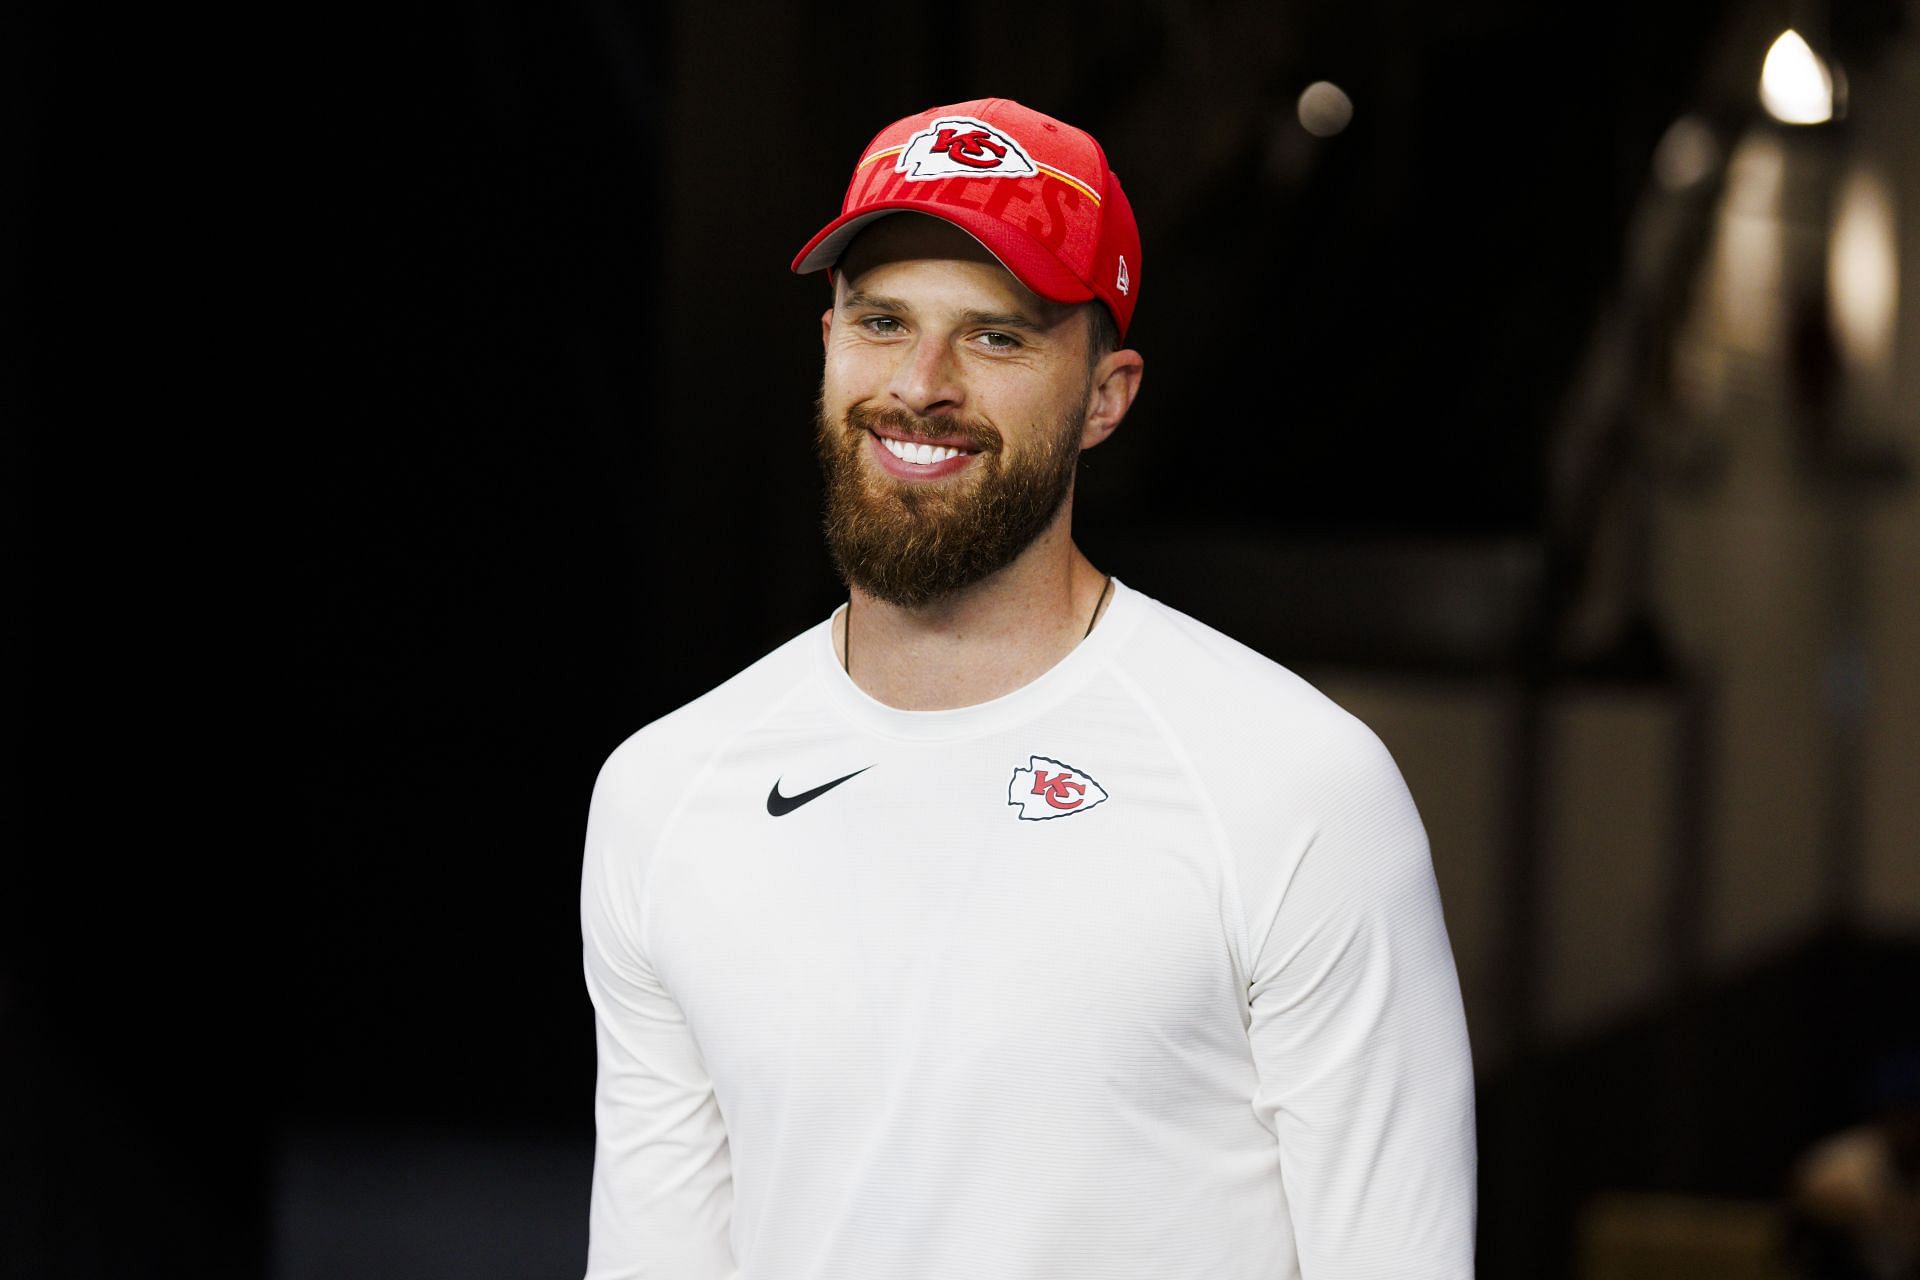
(1541,381)
(1655,1237)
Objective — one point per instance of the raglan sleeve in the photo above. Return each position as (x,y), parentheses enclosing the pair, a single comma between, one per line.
(1359,1037)
(661,1202)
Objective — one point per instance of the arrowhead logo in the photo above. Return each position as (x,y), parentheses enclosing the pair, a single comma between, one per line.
(1122,283)
(965,147)
(1047,788)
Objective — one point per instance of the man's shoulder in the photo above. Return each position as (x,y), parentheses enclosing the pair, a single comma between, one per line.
(643,780)
(679,742)
(1269,747)
(1274,753)
(1214,684)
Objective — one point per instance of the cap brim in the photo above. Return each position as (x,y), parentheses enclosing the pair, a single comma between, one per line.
(1029,261)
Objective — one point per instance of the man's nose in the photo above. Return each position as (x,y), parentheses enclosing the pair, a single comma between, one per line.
(927,379)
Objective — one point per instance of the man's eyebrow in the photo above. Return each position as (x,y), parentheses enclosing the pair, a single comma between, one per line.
(874,302)
(1002,320)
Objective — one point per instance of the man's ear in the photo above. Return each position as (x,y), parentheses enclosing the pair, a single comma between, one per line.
(1116,381)
(826,325)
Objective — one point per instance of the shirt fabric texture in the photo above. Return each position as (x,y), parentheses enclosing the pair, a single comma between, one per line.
(953,1019)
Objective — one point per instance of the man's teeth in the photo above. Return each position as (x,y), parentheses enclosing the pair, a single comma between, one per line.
(924,454)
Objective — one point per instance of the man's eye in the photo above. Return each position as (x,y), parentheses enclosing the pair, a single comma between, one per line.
(883,326)
(999,341)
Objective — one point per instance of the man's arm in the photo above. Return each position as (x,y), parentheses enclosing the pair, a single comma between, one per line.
(1360,1039)
(662,1199)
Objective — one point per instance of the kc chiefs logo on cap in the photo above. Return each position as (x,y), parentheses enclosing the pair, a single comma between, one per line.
(1046,788)
(963,146)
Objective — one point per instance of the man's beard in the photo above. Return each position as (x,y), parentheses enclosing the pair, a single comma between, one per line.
(911,543)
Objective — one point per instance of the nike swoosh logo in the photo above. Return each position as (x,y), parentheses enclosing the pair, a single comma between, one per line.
(778,805)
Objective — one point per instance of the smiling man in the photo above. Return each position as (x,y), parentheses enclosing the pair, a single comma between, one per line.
(1008,922)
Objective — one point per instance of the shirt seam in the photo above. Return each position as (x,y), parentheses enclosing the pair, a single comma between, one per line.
(672,822)
(1223,845)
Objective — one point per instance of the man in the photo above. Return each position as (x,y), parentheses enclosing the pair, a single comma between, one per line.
(1009,923)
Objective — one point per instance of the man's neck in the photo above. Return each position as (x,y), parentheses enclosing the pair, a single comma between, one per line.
(978,644)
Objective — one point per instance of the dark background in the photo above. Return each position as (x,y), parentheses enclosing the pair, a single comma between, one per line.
(411,427)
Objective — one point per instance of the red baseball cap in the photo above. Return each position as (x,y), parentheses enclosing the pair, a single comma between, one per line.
(1035,191)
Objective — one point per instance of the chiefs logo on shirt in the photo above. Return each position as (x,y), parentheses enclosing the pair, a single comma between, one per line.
(963,146)
(1047,788)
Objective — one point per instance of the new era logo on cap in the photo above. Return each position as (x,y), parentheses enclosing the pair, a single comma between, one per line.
(961,146)
(1054,214)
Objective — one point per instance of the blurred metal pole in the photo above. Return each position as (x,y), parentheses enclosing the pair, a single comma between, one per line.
(1683,1058)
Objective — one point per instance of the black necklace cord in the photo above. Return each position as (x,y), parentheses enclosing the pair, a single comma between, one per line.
(1096,605)
(846,632)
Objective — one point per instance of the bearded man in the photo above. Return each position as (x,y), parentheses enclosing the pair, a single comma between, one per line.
(1072,938)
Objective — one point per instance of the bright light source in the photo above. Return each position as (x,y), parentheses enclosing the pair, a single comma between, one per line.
(1324,109)
(1863,271)
(1795,86)
(1687,153)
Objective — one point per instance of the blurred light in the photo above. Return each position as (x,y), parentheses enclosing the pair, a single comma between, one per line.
(1795,86)
(1863,271)
(1687,153)
(1324,109)
(1750,260)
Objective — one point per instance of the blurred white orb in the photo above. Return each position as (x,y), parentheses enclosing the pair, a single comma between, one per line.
(1687,153)
(1324,109)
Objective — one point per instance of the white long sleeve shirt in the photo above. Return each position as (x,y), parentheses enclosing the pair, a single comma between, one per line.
(1138,972)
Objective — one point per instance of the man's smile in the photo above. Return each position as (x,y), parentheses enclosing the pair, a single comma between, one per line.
(912,458)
